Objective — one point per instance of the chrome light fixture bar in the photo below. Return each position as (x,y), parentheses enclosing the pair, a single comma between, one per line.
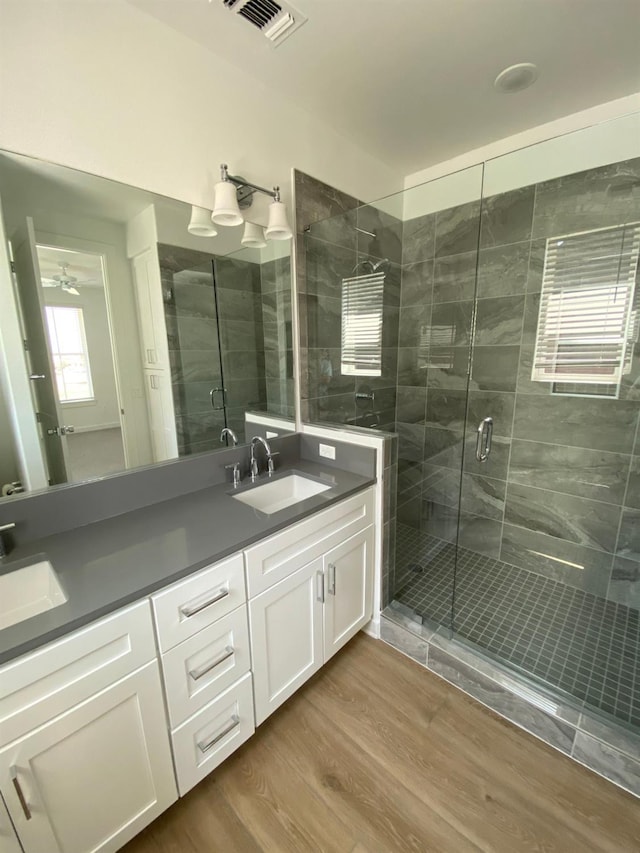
(233,194)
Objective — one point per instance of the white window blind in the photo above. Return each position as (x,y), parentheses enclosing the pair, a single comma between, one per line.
(586,324)
(362,303)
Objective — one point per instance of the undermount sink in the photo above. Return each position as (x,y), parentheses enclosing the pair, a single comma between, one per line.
(278,494)
(27,591)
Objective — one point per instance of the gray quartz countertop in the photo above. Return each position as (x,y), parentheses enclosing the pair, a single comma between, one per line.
(111,563)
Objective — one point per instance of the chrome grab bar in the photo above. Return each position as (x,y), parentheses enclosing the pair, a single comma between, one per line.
(188,610)
(205,745)
(483,440)
(320,586)
(212,664)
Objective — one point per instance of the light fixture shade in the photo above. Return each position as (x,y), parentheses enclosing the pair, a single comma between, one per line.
(278,227)
(226,210)
(253,236)
(200,224)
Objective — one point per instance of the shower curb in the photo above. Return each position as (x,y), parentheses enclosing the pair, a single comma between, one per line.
(602,747)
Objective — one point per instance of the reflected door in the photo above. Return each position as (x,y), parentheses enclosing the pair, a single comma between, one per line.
(32,310)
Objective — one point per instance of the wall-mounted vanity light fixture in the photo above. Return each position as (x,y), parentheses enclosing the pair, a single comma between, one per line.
(232,195)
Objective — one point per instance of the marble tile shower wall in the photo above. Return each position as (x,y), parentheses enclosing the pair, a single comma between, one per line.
(275,283)
(193,327)
(329,248)
(563,478)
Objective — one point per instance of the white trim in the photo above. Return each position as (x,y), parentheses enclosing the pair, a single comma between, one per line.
(576,121)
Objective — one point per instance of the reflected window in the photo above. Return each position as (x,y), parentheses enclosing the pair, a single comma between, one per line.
(588,320)
(362,304)
(69,353)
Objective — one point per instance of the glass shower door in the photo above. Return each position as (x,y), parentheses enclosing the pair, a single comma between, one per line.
(547,533)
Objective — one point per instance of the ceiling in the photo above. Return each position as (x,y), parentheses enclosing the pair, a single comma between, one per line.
(410,81)
(87,268)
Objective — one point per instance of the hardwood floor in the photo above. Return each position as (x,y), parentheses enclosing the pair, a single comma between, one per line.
(375,754)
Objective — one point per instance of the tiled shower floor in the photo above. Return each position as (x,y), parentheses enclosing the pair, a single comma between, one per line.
(571,639)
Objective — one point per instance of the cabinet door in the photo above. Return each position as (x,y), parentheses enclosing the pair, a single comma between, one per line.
(286,637)
(148,286)
(162,420)
(8,839)
(348,572)
(93,777)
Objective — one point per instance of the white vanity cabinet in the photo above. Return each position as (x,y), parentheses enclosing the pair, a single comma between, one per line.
(323,595)
(203,636)
(8,839)
(85,762)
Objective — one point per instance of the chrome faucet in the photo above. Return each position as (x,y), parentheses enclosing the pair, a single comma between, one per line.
(5,546)
(227,432)
(253,467)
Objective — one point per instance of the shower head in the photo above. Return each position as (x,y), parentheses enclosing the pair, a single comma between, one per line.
(372,267)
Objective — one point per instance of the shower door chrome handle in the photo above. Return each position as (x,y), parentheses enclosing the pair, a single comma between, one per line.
(483,440)
(213,402)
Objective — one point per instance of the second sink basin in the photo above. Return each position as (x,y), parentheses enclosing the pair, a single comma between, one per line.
(27,591)
(279,494)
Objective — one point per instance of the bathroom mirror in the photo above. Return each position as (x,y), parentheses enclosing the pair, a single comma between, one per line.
(125,340)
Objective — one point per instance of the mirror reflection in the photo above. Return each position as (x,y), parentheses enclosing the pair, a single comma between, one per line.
(125,339)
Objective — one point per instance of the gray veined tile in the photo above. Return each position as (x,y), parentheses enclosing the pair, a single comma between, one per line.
(503,270)
(480,534)
(507,217)
(628,545)
(624,586)
(490,693)
(418,238)
(439,520)
(491,404)
(317,201)
(595,198)
(607,761)
(454,277)
(387,231)
(446,408)
(632,497)
(326,266)
(446,367)
(595,474)
(403,640)
(457,229)
(442,447)
(499,321)
(450,324)
(411,403)
(441,485)
(483,496)
(536,265)
(410,441)
(412,366)
(573,420)
(414,325)
(578,520)
(558,559)
(494,368)
(416,284)
(612,735)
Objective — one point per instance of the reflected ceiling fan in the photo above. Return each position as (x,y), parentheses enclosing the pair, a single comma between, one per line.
(66,282)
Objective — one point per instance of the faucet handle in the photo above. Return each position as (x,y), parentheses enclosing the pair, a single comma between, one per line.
(235,467)
(270,466)
(5,547)
(9,526)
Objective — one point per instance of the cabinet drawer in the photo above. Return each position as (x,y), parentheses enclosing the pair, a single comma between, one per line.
(190,605)
(200,668)
(211,735)
(39,686)
(278,556)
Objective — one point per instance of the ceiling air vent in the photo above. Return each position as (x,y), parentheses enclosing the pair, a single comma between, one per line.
(276,20)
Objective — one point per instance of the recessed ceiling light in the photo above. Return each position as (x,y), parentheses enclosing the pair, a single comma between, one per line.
(515,78)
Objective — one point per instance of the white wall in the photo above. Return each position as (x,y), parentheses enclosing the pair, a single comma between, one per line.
(100,86)
(103,410)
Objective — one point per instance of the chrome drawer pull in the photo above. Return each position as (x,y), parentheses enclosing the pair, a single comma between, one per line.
(320,586)
(16,784)
(205,745)
(191,610)
(212,664)
(332,579)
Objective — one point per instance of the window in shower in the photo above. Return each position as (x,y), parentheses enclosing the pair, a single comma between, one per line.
(362,305)
(588,320)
